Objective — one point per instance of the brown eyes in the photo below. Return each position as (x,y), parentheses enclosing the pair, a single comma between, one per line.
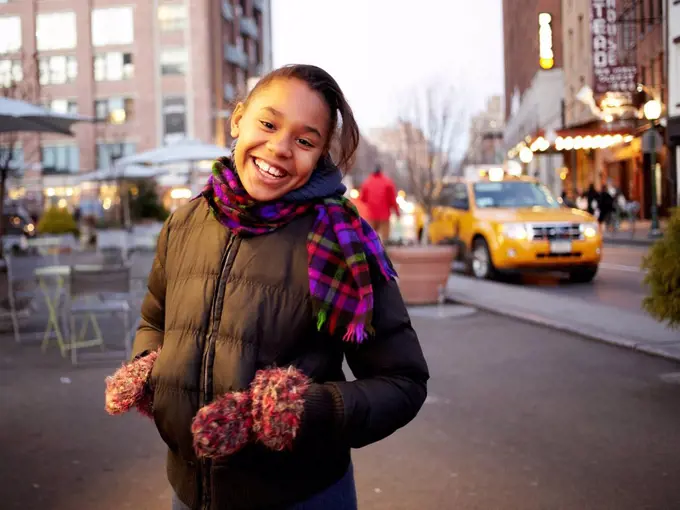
(270,127)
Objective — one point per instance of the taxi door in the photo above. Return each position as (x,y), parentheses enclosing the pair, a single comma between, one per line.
(446,217)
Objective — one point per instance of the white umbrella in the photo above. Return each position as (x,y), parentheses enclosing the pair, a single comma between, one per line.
(16,115)
(126,172)
(182,152)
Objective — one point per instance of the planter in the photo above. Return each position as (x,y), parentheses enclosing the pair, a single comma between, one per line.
(423,271)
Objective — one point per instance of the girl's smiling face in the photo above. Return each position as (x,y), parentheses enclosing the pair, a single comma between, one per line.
(282,131)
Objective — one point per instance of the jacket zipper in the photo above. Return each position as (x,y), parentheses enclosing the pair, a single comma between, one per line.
(208,354)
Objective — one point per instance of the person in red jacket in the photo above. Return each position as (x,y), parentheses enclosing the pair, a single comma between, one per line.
(379,195)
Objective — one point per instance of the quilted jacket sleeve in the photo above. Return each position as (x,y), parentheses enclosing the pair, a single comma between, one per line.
(151,328)
(391,378)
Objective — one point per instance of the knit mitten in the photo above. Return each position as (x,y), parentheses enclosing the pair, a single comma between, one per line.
(223,426)
(278,404)
(128,386)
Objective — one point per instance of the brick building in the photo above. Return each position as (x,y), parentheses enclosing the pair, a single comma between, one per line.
(521,43)
(151,71)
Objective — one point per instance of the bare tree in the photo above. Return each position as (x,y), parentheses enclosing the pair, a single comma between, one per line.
(432,130)
(22,82)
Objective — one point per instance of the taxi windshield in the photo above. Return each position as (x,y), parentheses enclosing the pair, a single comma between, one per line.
(513,194)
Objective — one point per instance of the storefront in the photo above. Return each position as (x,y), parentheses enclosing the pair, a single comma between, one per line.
(582,154)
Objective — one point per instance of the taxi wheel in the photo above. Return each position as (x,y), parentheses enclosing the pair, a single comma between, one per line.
(583,274)
(481,265)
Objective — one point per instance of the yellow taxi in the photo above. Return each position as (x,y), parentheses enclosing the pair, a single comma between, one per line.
(510,224)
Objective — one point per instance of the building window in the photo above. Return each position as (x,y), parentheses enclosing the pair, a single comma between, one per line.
(172,17)
(174,61)
(63,106)
(113,66)
(56,31)
(116,110)
(109,152)
(113,25)
(174,119)
(11,73)
(10,34)
(13,157)
(58,69)
(60,158)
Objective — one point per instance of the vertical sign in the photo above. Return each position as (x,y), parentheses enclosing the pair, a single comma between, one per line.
(609,75)
(546,57)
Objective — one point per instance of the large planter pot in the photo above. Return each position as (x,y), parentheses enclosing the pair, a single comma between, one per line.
(422,271)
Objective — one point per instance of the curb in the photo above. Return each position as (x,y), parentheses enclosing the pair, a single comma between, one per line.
(629,242)
(585,332)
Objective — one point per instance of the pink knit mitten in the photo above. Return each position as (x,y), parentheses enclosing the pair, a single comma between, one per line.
(128,386)
(223,426)
(278,404)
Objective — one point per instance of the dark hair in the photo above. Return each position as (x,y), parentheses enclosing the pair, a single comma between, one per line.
(347,133)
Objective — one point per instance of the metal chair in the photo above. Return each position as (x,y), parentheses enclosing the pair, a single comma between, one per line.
(96,290)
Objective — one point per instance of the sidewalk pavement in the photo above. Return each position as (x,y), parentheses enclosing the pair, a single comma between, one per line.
(608,324)
(636,236)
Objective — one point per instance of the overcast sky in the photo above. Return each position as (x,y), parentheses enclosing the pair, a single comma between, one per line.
(379,50)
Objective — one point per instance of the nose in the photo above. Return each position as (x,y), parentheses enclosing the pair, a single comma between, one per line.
(279,145)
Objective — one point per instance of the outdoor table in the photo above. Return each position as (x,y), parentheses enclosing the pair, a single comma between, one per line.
(53,294)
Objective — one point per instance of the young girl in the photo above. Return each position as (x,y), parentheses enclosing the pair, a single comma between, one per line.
(260,287)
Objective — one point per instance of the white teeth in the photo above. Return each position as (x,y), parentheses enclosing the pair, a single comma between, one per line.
(271,170)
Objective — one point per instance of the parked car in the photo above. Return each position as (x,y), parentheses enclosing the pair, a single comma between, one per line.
(17,228)
(509,224)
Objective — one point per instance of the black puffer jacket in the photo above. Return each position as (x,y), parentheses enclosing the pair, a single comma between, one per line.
(223,307)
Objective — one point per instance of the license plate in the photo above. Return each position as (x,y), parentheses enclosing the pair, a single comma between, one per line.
(560,247)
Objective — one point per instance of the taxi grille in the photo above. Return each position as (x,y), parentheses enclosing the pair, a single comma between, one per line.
(556,231)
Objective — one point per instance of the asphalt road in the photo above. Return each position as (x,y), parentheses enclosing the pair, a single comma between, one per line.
(619,281)
(518,417)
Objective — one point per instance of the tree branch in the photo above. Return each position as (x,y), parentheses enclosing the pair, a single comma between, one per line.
(432,127)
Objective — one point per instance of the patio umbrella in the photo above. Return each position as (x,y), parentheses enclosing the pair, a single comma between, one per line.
(182,152)
(125,172)
(187,151)
(16,116)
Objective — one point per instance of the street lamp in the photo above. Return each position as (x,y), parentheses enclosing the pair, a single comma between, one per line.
(525,156)
(652,112)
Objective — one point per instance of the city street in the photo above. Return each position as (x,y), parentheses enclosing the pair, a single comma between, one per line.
(518,416)
(619,281)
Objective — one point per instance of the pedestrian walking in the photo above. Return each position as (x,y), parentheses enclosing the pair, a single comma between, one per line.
(261,285)
(379,194)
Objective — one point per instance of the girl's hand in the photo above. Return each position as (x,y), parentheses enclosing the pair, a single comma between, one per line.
(128,386)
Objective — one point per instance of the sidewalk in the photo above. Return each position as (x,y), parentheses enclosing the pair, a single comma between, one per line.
(605,323)
(639,236)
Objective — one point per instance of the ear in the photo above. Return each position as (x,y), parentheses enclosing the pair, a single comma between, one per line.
(236,120)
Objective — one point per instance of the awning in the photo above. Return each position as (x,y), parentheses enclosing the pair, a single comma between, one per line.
(591,135)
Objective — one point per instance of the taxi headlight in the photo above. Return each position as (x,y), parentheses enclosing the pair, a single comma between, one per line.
(515,230)
(589,230)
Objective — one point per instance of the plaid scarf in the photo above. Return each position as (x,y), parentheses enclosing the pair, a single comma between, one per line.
(340,247)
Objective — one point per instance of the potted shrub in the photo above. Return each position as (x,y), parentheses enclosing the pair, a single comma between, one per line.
(429,132)
(58,221)
(663,275)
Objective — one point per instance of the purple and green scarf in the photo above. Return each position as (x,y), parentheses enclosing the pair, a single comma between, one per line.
(340,247)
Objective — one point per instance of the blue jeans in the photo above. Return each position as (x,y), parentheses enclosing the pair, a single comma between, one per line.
(340,496)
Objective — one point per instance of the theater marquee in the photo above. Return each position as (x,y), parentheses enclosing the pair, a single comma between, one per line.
(609,75)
